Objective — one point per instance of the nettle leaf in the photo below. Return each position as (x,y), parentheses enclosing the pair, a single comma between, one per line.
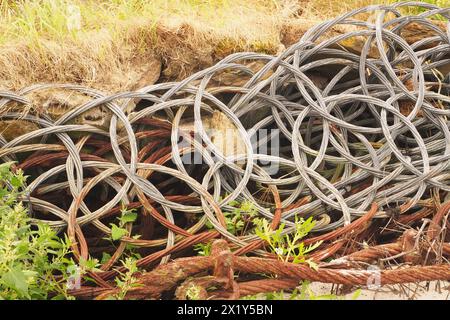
(16,182)
(5,168)
(17,281)
(128,216)
(117,232)
(105,257)
(22,248)
(3,192)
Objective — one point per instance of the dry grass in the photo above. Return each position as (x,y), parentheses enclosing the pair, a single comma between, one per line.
(105,44)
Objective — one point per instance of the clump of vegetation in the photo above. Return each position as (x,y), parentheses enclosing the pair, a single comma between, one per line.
(287,246)
(239,218)
(203,249)
(126,218)
(33,259)
(126,280)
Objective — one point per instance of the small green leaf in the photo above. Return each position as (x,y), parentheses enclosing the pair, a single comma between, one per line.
(105,257)
(5,168)
(203,249)
(16,182)
(17,281)
(117,233)
(3,192)
(312,265)
(356,294)
(128,216)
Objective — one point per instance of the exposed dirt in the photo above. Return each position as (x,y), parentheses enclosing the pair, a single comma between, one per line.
(435,290)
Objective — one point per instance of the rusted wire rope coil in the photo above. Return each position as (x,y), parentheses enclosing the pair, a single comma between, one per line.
(377,131)
(282,275)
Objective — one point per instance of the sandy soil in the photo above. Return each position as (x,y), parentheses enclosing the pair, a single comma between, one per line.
(435,290)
